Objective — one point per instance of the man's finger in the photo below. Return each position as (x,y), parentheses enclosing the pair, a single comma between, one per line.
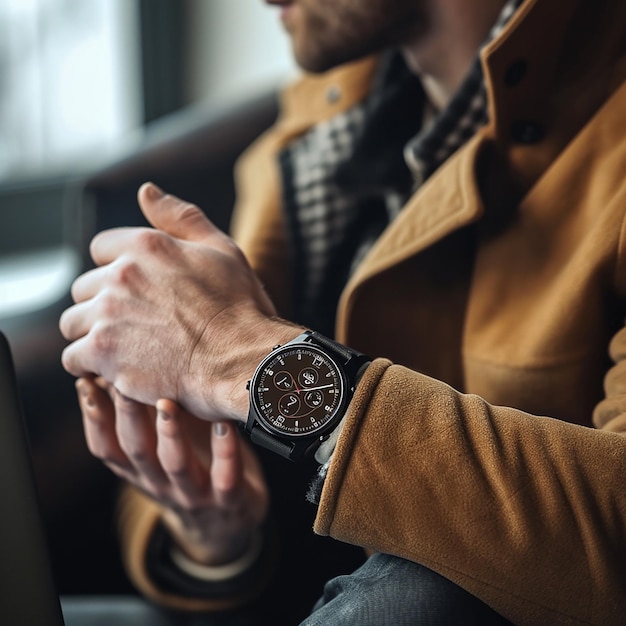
(88,284)
(109,245)
(137,436)
(75,358)
(177,456)
(227,466)
(76,321)
(176,217)
(98,415)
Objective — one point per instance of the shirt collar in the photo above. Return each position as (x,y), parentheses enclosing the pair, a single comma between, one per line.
(464,115)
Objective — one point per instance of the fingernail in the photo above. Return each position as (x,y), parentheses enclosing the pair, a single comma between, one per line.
(163,415)
(85,394)
(153,191)
(87,399)
(220,429)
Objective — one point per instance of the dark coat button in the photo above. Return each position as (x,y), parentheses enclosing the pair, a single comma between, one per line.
(333,94)
(515,72)
(525,131)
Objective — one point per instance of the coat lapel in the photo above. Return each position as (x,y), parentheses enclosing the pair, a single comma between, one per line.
(448,201)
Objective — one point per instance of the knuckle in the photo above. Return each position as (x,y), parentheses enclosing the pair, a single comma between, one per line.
(236,250)
(178,472)
(125,272)
(152,241)
(101,340)
(177,468)
(107,305)
(235,253)
(136,452)
(187,211)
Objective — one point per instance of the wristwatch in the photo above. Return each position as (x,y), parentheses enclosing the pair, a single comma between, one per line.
(300,392)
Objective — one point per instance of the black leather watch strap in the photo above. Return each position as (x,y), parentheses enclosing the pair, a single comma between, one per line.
(260,437)
(354,361)
(345,353)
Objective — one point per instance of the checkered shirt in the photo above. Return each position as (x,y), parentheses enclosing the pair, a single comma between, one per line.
(348,178)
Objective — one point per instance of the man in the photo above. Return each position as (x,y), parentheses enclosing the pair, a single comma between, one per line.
(470,243)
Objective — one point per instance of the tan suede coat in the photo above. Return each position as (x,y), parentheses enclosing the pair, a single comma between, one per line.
(505,278)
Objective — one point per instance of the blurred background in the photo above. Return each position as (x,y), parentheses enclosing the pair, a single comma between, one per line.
(80,75)
(97,96)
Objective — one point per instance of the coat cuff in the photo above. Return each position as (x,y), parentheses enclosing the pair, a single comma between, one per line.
(146,547)
(341,457)
(225,587)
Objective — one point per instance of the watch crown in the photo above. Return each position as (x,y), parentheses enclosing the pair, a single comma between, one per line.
(248,385)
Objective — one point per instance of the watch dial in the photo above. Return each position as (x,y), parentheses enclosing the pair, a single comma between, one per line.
(298,390)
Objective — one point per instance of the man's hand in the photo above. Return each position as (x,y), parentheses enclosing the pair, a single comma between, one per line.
(205,476)
(172,312)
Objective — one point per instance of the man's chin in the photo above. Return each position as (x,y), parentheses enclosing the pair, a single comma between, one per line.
(320,61)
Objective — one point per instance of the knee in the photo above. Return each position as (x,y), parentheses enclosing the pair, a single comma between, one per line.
(389,590)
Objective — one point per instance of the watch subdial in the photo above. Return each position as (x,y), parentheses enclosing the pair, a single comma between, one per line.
(284,381)
(314,399)
(308,377)
(289,404)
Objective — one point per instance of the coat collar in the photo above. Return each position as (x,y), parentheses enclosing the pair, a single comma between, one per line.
(543,54)
(320,97)
(431,214)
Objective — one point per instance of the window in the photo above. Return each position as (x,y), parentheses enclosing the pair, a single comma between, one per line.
(70,88)
(69,80)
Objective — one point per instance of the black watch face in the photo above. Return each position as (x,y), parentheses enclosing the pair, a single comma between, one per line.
(298,391)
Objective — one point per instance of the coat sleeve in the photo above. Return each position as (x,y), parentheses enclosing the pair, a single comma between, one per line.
(528,513)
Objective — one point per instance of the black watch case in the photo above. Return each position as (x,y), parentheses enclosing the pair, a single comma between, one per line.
(300,392)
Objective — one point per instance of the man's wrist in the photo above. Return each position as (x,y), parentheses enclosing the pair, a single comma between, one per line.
(228,397)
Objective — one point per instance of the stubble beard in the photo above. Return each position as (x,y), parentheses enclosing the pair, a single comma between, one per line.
(329,34)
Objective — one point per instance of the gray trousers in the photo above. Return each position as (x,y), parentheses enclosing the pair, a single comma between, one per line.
(387,590)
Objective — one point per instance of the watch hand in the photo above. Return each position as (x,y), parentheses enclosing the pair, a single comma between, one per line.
(316,388)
